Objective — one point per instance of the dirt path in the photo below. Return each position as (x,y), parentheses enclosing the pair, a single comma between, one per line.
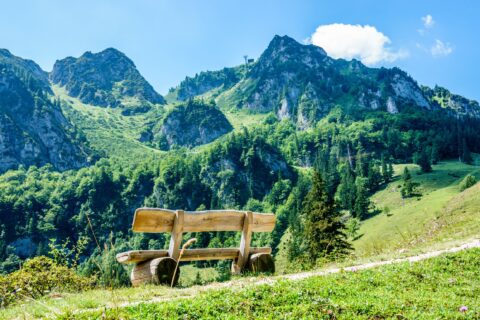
(244,282)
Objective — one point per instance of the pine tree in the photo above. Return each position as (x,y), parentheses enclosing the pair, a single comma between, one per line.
(346,190)
(374,177)
(423,160)
(466,156)
(384,170)
(323,227)
(390,172)
(434,153)
(362,203)
(409,187)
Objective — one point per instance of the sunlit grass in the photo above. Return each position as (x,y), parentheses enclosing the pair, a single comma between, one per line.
(424,221)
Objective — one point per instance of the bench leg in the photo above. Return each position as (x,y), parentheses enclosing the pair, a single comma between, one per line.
(261,263)
(156,271)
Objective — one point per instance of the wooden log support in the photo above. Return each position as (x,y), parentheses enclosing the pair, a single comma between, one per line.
(156,271)
(239,263)
(261,263)
(177,233)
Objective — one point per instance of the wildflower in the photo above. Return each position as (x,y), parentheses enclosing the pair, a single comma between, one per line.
(463,309)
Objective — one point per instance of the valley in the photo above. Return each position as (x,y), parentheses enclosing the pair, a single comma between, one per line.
(358,164)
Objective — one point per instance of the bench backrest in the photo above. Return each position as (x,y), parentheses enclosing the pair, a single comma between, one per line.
(155,220)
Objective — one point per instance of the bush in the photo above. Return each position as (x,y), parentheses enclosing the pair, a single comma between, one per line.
(38,277)
(467,182)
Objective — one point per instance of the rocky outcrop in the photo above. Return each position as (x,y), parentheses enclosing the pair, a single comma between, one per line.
(207,81)
(443,98)
(191,124)
(106,79)
(33,130)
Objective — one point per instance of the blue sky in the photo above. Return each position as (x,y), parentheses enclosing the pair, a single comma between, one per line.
(437,42)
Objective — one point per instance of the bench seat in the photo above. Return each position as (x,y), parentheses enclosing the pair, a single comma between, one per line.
(137,256)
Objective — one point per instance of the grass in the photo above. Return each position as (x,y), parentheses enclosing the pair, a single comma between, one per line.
(442,215)
(432,289)
(64,303)
(107,129)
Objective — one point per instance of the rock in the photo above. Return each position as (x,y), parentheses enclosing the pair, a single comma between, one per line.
(191,124)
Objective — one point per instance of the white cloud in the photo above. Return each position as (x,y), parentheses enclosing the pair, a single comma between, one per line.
(355,41)
(441,49)
(428,21)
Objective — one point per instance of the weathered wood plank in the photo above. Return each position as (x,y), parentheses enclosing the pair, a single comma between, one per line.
(137,256)
(153,220)
(177,234)
(140,255)
(161,220)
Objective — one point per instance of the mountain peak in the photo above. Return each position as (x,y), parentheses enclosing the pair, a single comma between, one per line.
(281,43)
(104,79)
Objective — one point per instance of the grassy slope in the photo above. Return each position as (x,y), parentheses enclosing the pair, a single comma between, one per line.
(107,129)
(432,289)
(117,135)
(441,215)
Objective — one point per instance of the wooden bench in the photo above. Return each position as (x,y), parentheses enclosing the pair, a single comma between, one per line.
(157,266)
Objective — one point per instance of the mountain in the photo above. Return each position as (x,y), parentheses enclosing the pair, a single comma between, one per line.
(302,83)
(191,124)
(33,129)
(106,79)
(206,81)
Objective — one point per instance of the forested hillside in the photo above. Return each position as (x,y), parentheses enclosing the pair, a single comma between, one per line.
(249,137)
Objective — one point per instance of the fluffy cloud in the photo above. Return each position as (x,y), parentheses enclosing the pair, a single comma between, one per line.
(441,49)
(355,41)
(428,21)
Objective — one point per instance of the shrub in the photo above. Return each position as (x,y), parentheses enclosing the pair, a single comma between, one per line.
(38,277)
(467,182)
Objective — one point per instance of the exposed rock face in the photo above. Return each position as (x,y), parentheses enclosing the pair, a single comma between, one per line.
(33,130)
(391,106)
(106,79)
(406,89)
(191,124)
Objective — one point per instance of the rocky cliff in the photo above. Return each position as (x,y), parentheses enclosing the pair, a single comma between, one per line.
(191,124)
(33,130)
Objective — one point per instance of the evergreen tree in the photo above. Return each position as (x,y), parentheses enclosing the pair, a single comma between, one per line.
(346,190)
(362,203)
(374,177)
(390,172)
(434,153)
(466,156)
(423,160)
(323,228)
(384,167)
(409,187)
